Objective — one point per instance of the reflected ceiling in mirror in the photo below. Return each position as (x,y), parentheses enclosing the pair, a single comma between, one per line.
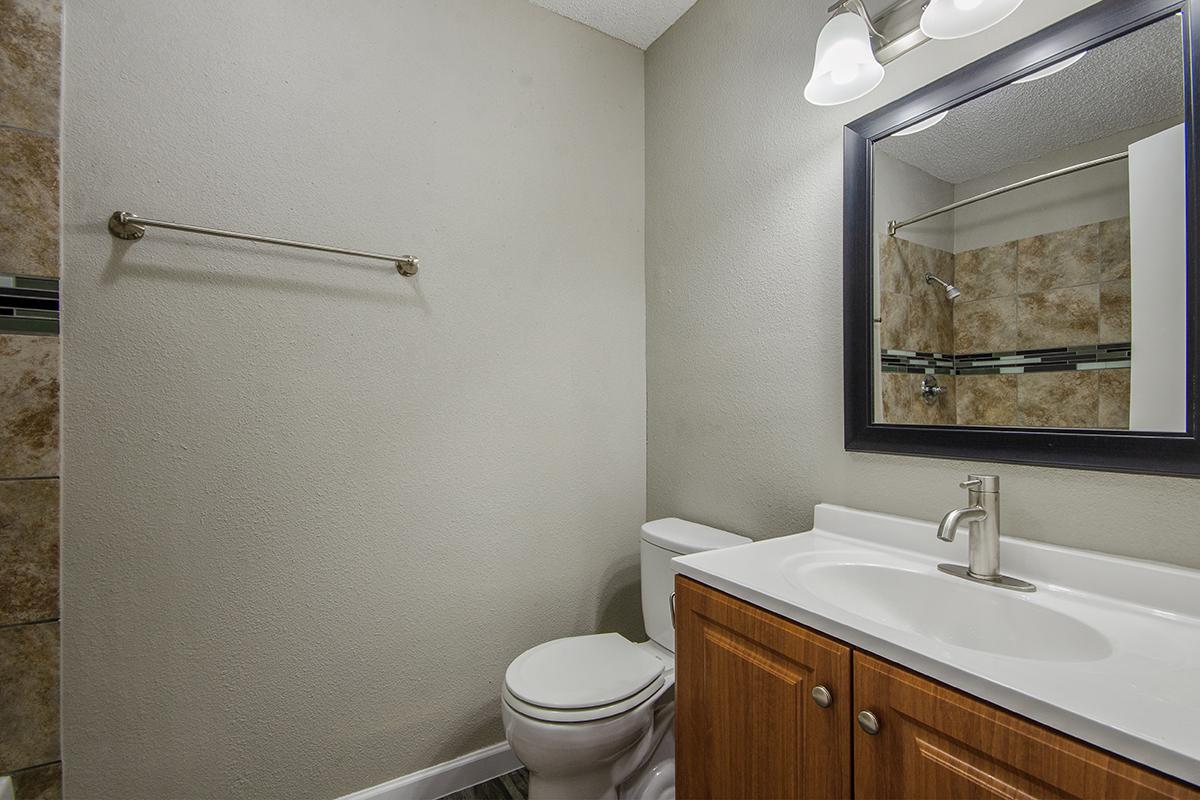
(1007,298)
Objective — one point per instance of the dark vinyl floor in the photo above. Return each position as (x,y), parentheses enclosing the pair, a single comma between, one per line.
(513,786)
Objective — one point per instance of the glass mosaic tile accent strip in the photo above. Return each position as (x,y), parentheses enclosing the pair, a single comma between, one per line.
(28,305)
(1117,355)
(917,363)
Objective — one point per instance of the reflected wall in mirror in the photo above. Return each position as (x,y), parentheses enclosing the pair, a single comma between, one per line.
(1029,259)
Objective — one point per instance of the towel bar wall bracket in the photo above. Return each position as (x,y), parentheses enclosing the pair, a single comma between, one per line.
(131,228)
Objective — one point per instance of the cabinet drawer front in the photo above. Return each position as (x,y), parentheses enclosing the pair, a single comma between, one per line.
(748,725)
(935,742)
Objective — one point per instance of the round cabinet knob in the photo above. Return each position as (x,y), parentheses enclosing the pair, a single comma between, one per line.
(822,696)
(868,722)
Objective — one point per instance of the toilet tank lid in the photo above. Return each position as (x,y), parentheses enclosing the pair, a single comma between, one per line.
(683,537)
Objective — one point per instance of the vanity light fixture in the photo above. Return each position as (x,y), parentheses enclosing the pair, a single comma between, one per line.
(1052,69)
(923,125)
(954,19)
(845,67)
(853,46)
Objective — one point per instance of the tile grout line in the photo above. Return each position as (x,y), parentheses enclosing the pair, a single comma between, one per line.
(30,131)
(35,766)
(46,621)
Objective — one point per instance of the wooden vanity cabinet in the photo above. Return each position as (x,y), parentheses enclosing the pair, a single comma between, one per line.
(936,742)
(748,725)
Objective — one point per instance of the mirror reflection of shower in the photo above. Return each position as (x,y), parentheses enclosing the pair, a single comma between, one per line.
(952,291)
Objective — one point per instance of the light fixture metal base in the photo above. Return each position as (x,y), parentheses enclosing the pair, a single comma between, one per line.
(904,43)
(895,30)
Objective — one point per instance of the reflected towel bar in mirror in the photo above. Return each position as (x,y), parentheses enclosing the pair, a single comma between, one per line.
(895,226)
(131,227)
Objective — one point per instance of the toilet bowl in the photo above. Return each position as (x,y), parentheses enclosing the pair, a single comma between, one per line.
(593,716)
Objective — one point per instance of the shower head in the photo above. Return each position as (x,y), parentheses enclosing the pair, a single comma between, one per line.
(952,291)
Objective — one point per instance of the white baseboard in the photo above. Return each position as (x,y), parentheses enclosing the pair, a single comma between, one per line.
(447,778)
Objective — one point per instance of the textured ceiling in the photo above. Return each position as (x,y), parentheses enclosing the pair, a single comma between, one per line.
(638,22)
(1133,81)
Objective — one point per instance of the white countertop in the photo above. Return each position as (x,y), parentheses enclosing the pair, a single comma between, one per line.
(1137,694)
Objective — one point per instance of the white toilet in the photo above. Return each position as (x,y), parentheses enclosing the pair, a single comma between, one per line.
(593,716)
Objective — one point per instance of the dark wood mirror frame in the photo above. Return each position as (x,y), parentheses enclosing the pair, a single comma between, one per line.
(1117,451)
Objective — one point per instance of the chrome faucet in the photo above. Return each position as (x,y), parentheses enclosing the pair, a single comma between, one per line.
(982,514)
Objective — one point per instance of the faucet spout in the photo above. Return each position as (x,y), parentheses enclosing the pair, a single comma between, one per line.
(949,526)
(983,551)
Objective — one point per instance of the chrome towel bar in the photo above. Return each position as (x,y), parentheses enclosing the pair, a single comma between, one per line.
(124,225)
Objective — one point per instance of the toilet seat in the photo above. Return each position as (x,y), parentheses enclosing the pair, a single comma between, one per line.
(582,714)
(582,678)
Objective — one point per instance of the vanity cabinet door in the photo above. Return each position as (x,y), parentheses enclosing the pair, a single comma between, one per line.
(748,725)
(935,742)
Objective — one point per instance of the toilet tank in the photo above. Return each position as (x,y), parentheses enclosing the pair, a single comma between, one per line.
(662,540)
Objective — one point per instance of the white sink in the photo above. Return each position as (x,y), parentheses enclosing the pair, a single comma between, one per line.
(951,610)
(1107,649)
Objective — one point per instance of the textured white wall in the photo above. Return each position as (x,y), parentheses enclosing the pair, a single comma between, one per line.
(311,508)
(903,191)
(744,299)
(1094,195)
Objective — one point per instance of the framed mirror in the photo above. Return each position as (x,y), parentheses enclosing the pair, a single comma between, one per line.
(1020,253)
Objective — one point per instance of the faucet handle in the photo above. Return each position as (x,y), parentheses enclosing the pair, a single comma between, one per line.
(981,483)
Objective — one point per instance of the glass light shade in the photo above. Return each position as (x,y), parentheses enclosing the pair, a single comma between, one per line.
(845,68)
(954,19)
(923,125)
(1053,68)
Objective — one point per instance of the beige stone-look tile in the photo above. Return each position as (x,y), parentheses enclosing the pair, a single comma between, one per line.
(945,324)
(904,405)
(1059,317)
(1068,399)
(986,399)
(1115,324)
(1114,249)
(985,326)
(893,273)
(1055,260)
(942,410)
(30,46)
(28,204)
(931,323)
(29,544)
(987,272)
(894,333)
(897,400)
(943,267)
(28,406)
(39,783)
(1114,398)
(28,695)
(909,262)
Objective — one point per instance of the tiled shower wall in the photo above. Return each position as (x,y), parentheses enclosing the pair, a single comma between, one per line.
(1039,338)
(916,317)
(30,37)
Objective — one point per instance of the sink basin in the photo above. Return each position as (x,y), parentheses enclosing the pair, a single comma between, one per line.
(953,611)
(1106,650)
